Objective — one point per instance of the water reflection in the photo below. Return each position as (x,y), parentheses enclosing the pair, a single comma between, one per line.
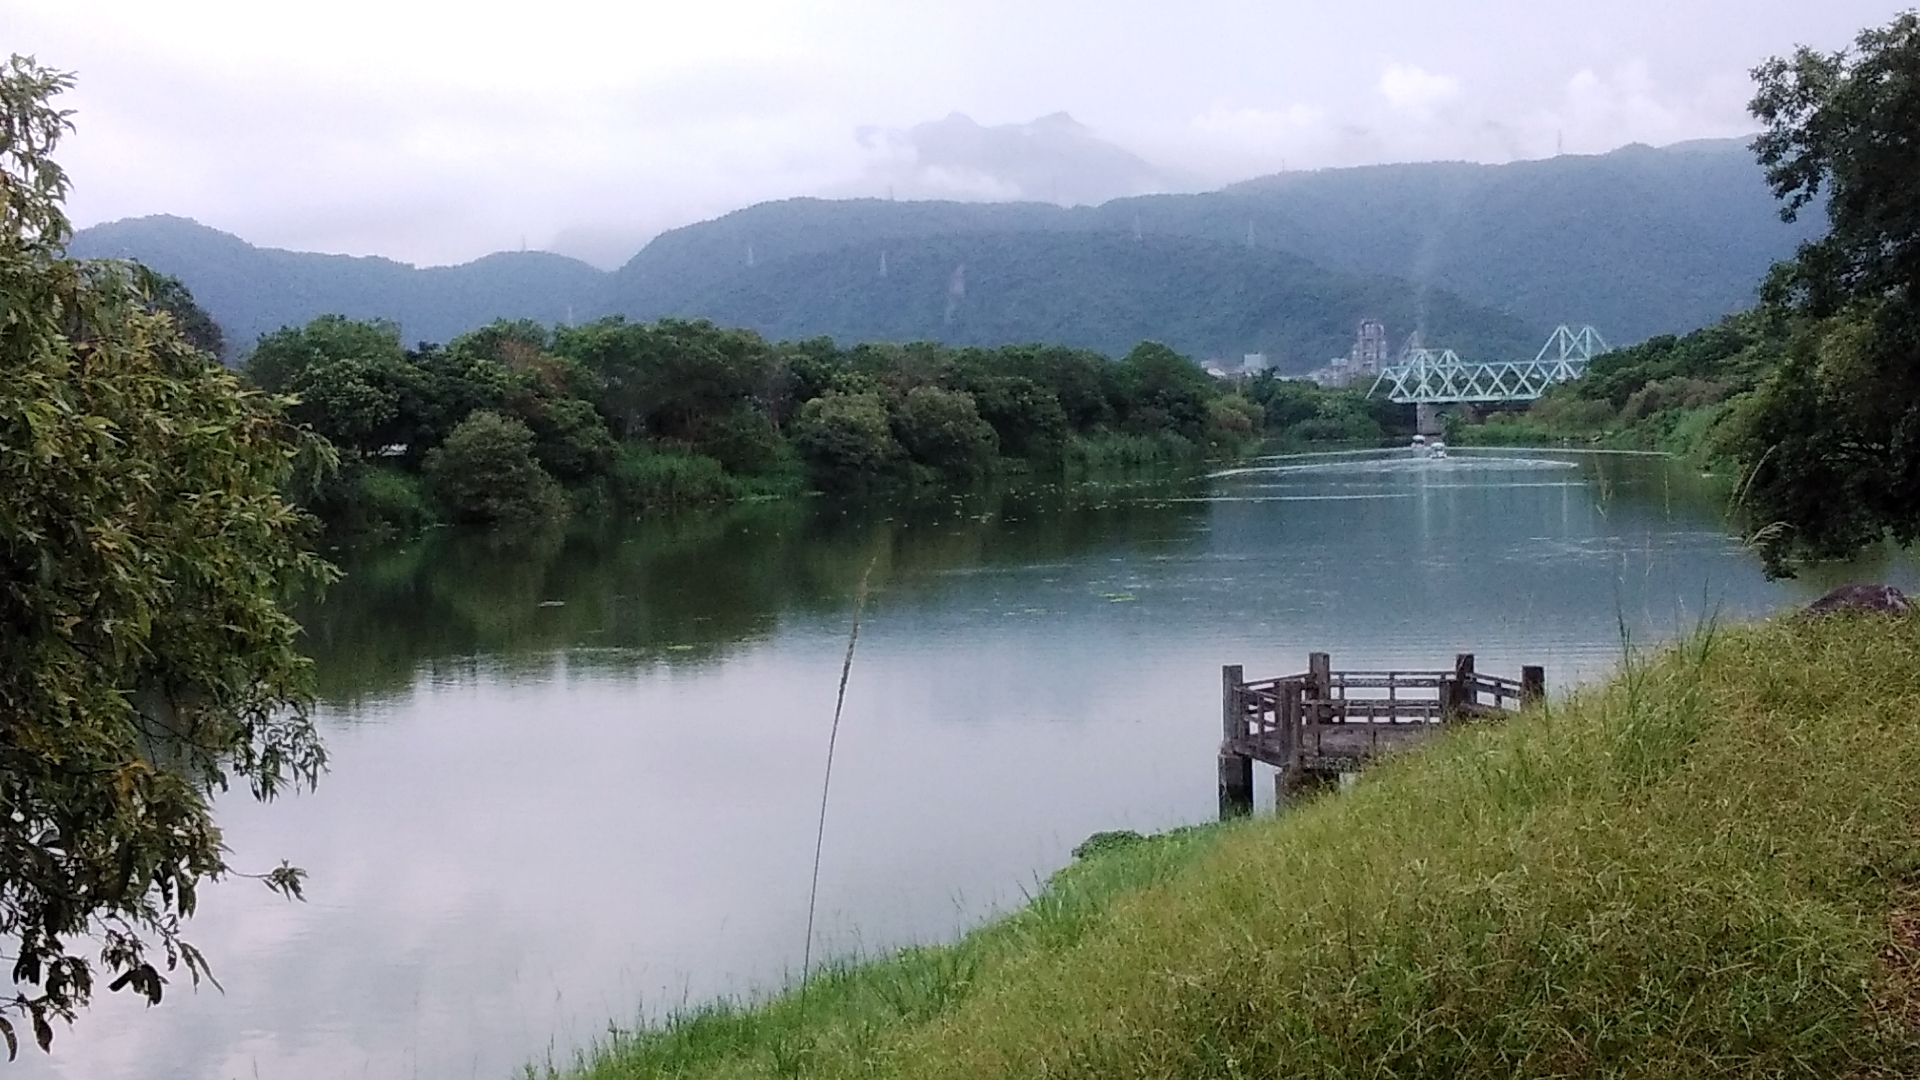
(689,589)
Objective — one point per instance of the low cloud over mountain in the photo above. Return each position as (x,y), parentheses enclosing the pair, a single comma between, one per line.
(1054,159)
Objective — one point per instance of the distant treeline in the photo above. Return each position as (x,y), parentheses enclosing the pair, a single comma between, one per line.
(521,421)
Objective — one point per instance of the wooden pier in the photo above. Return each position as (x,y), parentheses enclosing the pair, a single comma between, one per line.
(1315,726)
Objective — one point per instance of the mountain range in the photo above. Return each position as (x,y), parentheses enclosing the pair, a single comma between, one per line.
(1482,258)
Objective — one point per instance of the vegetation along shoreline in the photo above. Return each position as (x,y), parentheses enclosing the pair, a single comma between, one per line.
(1702,866)
(1705,865)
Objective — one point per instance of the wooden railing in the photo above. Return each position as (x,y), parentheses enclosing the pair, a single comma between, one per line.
(1289,721)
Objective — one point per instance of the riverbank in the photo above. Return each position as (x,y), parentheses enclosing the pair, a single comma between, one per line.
(1706,866)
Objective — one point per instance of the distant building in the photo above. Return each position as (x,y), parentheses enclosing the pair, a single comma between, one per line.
(1369,353)
(1362,362)
(1248,365)
(1337,372)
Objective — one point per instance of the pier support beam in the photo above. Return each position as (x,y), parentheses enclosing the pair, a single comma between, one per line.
(1236,768)
(1236,785)
(1426,419)
(1458,695)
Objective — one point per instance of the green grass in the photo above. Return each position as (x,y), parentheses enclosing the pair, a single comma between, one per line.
(1704,867)
(655,478)
(1116,450)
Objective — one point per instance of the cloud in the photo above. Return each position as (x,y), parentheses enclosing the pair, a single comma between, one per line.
(1597,112)
(409,129)
(1412,90)
(1253,125)
(1053,159)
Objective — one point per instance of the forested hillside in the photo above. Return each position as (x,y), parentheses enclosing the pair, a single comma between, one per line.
(1637,242)
(252,291)
(1094,291)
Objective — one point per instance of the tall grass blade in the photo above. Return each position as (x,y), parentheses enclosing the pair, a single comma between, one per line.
(826,780)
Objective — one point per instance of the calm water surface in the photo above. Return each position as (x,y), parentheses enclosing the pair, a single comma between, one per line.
(575,777)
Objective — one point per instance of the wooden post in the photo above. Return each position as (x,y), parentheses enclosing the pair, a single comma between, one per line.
(1236,785)
(1236,768)
(1233,714)
(1457,695)
(1533,685)
(1319,685)
(1296,716)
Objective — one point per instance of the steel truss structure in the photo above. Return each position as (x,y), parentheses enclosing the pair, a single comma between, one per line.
(1441,377)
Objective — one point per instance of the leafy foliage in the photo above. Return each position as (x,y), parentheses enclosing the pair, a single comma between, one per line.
(846,439)
(145,661)
(1843,123)
(486,473)
(1832,444)
(676,412)
(171,295)
(1302,414)
(942,430)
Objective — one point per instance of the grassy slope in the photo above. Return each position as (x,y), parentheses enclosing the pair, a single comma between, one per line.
(1700,869)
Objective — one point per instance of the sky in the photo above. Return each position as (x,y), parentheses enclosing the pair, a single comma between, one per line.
(437,132)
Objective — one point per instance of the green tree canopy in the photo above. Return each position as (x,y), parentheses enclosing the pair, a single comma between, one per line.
(1844,123)
(846,440)
(485,472)
(145,660)
(668,379)
(1832,440)
(282,356)
(1159,389)
(942,430)
(170,294)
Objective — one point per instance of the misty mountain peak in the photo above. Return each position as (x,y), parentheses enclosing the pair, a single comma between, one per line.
(1054,159)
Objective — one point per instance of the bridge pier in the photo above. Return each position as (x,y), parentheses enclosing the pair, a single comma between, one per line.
(1427,419)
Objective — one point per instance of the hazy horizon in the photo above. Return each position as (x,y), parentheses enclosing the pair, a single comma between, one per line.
(424,133)
(611,264)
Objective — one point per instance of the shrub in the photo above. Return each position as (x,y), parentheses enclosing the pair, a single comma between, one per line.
(485,473)
(845,440)
(389,499)
(572,441)
(645,477)
(1233,421)
(942,430)
(1337,422)
(744,441)
(1113,450)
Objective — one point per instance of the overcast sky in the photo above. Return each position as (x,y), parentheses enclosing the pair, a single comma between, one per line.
(437,132)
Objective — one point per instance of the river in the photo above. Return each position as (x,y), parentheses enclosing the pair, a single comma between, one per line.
(575,776)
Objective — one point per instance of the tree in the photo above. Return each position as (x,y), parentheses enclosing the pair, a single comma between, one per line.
(845,440)
(671,379)
(486,473)
(171,295)
(145,659)
(1831,442)
(1846,123)
(1162,390)
(280,357)
(942,430)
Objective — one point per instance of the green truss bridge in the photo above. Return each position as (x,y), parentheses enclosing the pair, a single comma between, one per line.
(1438,377)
